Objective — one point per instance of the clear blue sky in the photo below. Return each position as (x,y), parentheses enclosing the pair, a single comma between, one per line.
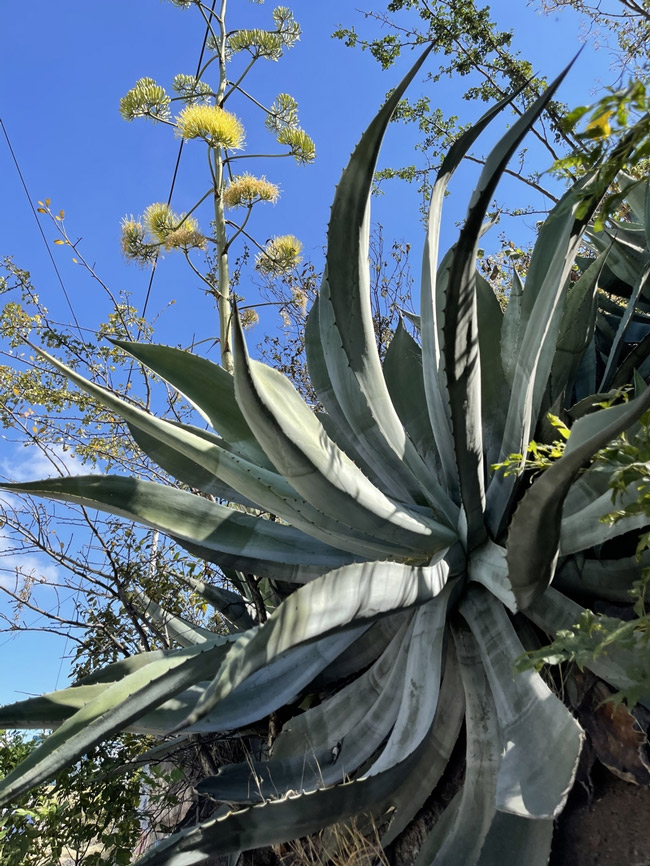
(65,67)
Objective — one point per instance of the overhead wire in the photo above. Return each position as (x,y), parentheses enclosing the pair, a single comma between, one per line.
(40,227)
(49,251)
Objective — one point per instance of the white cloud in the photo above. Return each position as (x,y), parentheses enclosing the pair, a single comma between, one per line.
(29,463)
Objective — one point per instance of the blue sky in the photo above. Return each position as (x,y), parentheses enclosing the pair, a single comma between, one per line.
(65,67)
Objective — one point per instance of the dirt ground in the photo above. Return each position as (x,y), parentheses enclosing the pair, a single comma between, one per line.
(608,825)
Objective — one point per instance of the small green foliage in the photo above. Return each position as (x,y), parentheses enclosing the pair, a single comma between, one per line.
(604,129)
(76,817)
(596,634)
(539,456)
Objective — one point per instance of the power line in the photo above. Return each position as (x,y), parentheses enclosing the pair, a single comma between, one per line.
(40,227)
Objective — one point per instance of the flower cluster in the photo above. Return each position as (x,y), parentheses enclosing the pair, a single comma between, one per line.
(245,190)
(248,318)
(301,146)
(159,226)
(214,124)
(146,99)
(279,256)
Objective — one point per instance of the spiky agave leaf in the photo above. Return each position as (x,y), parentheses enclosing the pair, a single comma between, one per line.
(406,554)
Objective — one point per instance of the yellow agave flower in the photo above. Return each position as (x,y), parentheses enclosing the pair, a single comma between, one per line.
(214,124)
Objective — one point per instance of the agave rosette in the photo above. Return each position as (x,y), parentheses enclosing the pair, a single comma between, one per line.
(397,556)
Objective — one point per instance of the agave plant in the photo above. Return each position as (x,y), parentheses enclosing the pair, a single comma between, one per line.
(396,556)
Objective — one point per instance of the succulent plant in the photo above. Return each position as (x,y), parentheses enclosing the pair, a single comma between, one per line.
(396,556)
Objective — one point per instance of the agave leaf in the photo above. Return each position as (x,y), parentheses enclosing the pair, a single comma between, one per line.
(495,391)
(49,710)
(459,839)
(576,329)
(399,469)
(614,352)
(228,603)
(328,743)
(363,653)
(585,379)
(434,287)
(510,327)
(585,528)
(634,192)
(551,262)
(272,570)
(151,756)
(258,485)
(536,527)
(488,565)
(331,720)
(417,706)
(634,360)
(627,253)
(277,683)
(588,487)
(186,470)
(337,428)
(208,387)
(114,709)
(263,692)
(538,330)
(513,840)
(292,816)
(346,324)
(460,328)
(350,596)
(532,782)
(278,820)
(611,579)
(118,670)
(232,535)
(404,378)
(297,444)
(433,754)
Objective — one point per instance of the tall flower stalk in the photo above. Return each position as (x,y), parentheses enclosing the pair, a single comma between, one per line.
(205,116)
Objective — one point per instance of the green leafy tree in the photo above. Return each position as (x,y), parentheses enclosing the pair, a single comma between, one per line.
(75,820)
(473,47)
